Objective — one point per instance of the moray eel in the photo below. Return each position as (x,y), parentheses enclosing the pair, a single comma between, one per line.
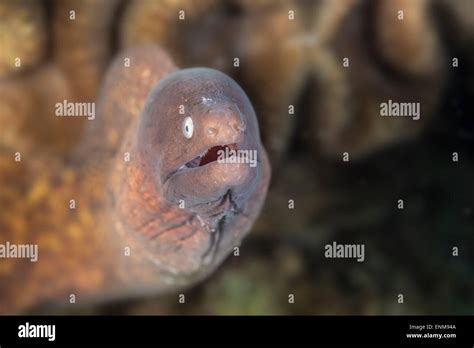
(196,207)
(157,208)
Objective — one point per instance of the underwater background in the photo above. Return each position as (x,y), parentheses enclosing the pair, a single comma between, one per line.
(317,73)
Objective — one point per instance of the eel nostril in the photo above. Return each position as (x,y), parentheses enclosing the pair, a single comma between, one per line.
(239,126)
(211,131)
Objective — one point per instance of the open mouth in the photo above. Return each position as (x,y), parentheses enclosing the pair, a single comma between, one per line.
(209,156)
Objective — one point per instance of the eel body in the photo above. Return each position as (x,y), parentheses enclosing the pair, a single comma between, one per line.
(164,187)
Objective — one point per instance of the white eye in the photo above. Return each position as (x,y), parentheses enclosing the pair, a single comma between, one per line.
(187,127)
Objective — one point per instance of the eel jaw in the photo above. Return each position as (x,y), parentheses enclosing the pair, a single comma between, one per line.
(208,156)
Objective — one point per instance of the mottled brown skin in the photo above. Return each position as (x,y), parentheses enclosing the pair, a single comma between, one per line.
(122,98)
(133,206)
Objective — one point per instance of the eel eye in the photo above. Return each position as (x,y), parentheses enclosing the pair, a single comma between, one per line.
(187,127)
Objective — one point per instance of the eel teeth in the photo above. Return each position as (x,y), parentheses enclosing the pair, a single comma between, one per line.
(194,163)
